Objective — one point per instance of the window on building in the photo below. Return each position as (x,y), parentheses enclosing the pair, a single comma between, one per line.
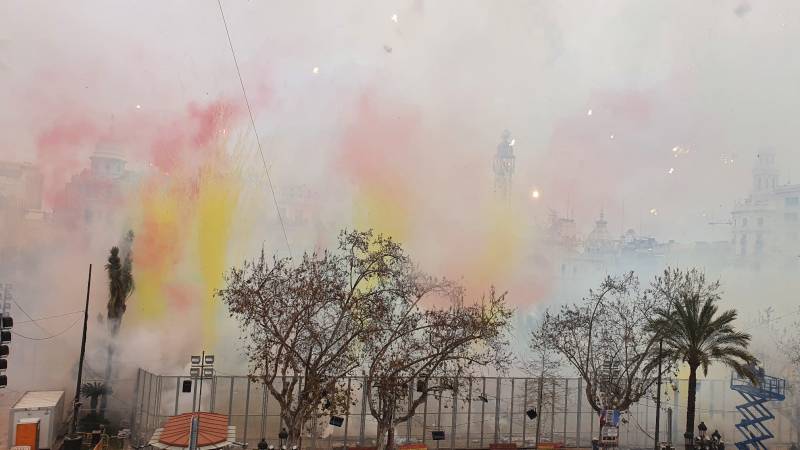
(790,217)
(791,201)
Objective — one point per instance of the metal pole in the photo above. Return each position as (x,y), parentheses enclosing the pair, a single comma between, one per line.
(566,402)
(578,418)
(200,394)
(539,406)
(669,425)
(177,394)
(135,402)
(511,415)
(410,401)
(424,416)
(363,417)
(193,432)
(246,408)
(230,403)
(658,397)
(194,394)
(141,404)
(213,393)
(159,390)
(453,418)
(483,408)
(553,412)
(147,408)
(77,402)
(264,412)
(439,417)
(347,413)
(469,409)
(524,405)
(497,410)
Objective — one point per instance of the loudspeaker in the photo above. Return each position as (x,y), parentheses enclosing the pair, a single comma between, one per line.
(337,421)
(531,413)
(437,435)
(187,386)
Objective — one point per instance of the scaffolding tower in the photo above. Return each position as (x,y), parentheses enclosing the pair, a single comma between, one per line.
(754,411)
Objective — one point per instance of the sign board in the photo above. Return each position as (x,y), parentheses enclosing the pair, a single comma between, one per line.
(609,426)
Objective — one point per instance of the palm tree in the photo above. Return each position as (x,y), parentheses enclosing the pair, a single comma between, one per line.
(94,391)
(120,287)
(695,332)
(120,283)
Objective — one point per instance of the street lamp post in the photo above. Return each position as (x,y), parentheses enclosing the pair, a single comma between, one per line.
(202,368)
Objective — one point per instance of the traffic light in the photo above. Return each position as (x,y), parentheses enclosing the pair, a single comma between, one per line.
(6,323)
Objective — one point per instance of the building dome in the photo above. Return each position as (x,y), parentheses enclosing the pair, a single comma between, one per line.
(107,160)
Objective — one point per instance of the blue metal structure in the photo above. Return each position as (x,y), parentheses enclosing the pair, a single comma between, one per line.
(755,412)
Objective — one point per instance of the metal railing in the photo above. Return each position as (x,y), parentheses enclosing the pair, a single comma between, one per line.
(495,411)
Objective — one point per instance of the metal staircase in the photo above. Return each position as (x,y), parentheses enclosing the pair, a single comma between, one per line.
(755,412)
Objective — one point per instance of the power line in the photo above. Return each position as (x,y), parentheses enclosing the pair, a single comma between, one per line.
(50,336)
(50,317)
(255,130)
(34,321)
(31,319)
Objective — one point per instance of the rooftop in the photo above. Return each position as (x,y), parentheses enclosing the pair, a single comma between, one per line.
(39,399)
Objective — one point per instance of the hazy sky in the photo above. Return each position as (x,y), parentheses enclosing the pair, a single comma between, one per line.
(403,114)
(717,78)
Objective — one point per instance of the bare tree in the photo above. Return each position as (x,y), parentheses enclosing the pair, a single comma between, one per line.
(306,322)
(421,351)
(544,364)
(788,344)
(605,339)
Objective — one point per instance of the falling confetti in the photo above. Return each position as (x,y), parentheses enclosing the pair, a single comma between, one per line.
(535,193)
(727,159)
(394,18)
(512,142)
(138,106)
(654,212)
(671,170)
(315,70)
(612,136)
(589,113)
(677,151)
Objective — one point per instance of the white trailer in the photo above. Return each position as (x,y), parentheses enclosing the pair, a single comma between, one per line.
(48,407)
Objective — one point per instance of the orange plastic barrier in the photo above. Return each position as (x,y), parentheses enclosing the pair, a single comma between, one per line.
(503,446)
(416,446)
(27,435)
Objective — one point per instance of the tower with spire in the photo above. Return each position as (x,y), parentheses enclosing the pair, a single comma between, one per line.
(503,166)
